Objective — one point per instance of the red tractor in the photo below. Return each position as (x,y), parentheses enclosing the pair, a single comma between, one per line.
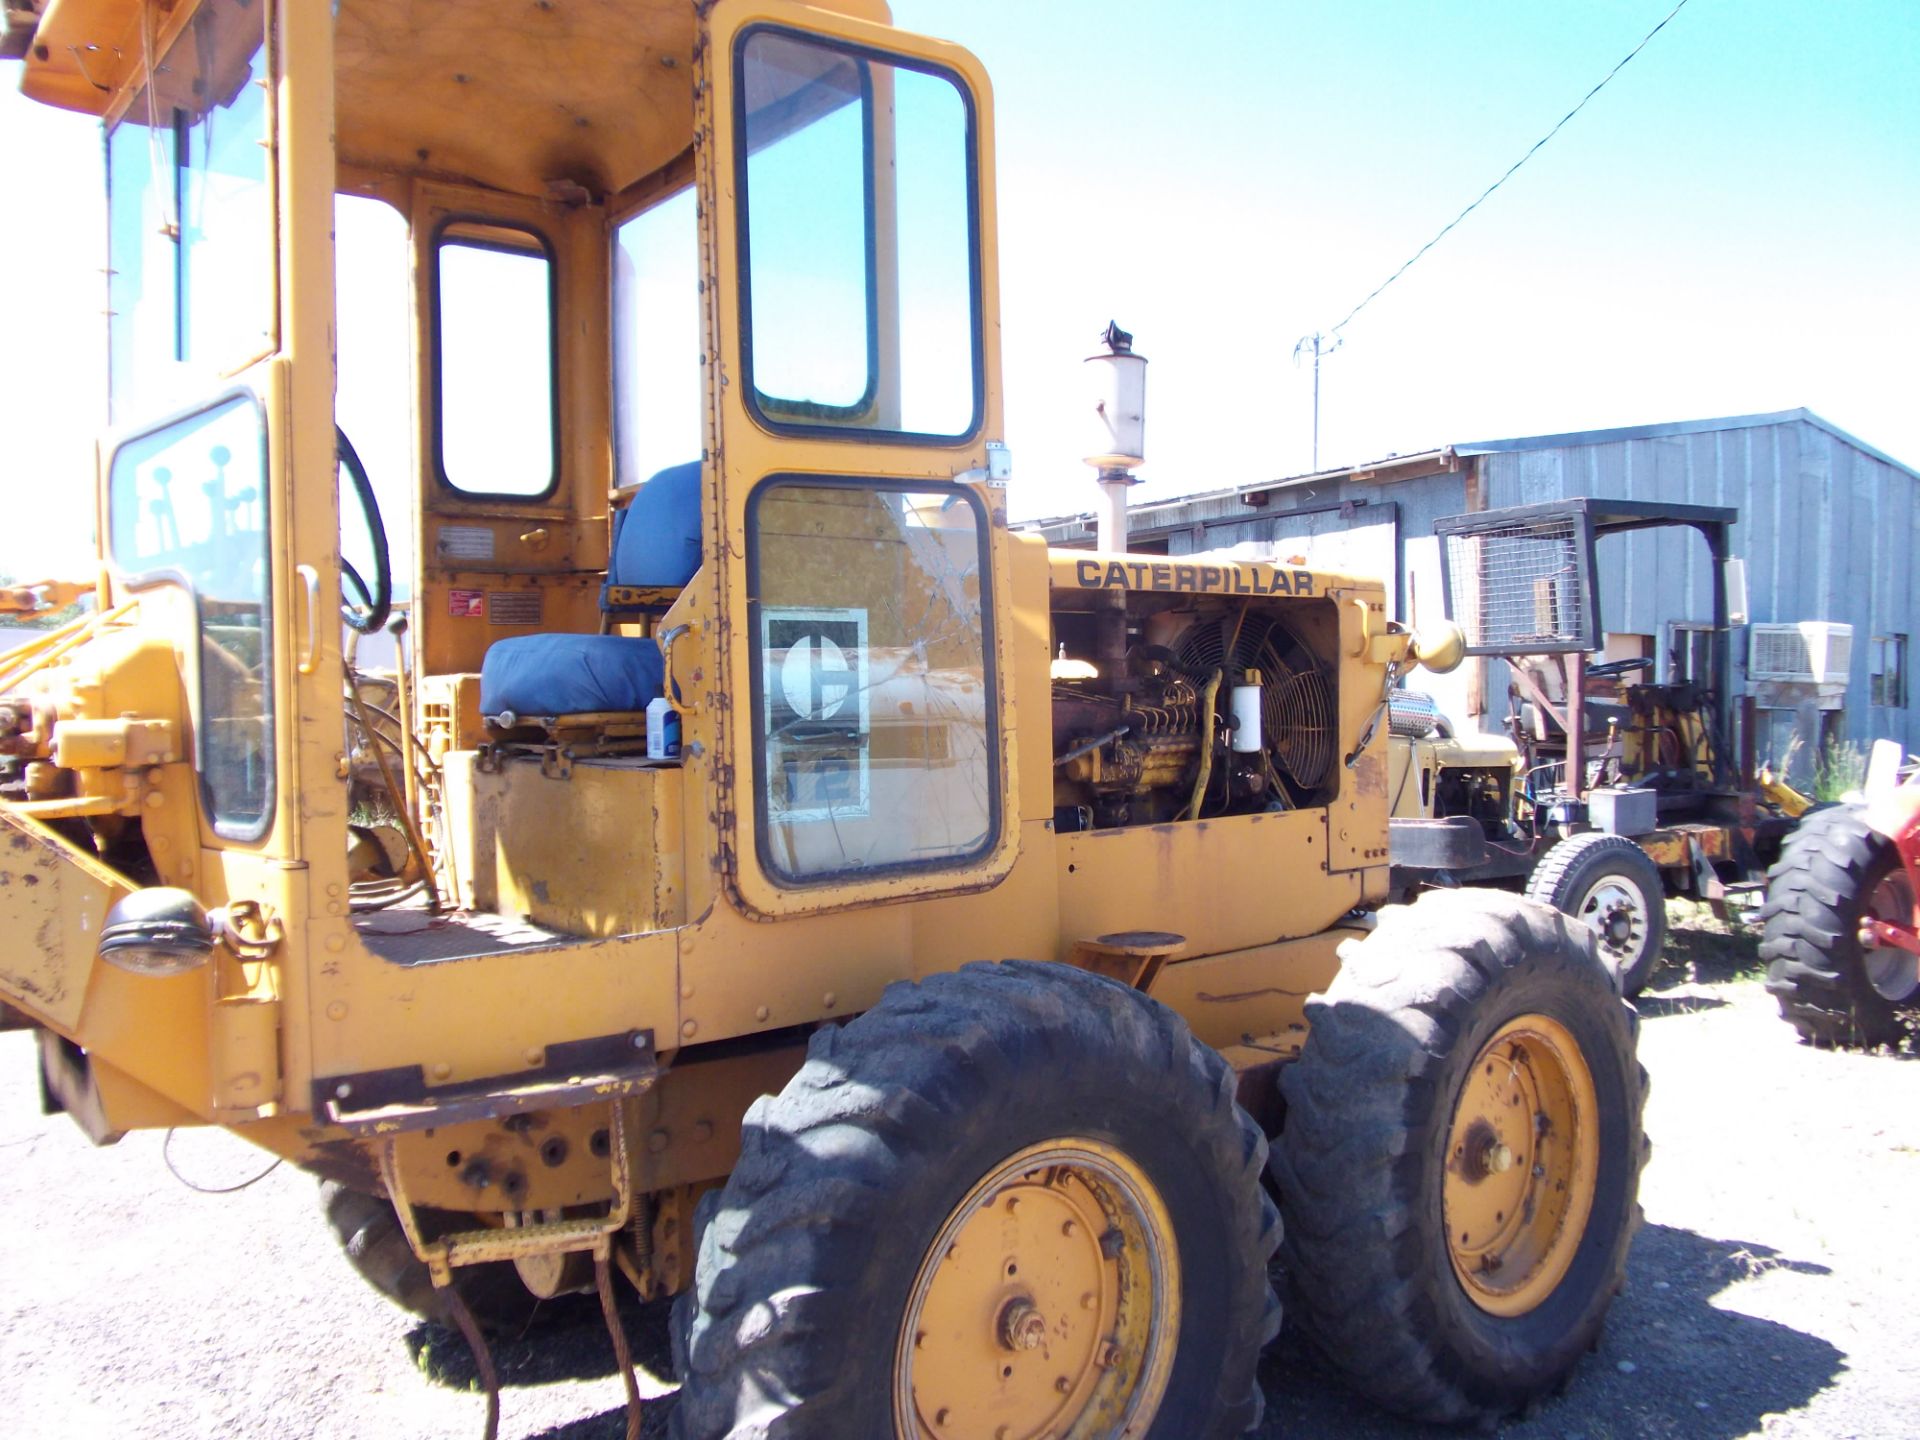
(1842,940)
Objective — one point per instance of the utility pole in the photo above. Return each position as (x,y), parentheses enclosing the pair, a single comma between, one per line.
(1319,345)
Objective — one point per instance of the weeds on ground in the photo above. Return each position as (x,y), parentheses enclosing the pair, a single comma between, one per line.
(1706,950)
(1841,769)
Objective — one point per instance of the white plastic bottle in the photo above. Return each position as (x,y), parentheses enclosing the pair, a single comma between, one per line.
(663,730)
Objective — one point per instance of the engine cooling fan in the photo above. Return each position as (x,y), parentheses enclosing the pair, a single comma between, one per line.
(1296,703)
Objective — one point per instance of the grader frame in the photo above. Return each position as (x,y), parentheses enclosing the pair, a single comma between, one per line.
(887,770)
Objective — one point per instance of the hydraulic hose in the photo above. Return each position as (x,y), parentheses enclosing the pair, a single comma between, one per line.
(1209,713)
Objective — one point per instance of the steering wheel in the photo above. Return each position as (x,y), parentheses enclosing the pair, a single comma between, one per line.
(1613,669)
(365,607)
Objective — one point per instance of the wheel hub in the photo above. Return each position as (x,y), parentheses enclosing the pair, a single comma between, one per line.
(1523,1156)
(1022,1326)
(1615,911)
(1892,971)
(1047,1305)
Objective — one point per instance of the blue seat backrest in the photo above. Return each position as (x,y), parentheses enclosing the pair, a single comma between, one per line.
(657,539)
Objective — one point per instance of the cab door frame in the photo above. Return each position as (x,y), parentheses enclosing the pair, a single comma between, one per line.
(745,454)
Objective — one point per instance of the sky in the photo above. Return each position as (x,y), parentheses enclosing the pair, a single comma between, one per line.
(1731,226)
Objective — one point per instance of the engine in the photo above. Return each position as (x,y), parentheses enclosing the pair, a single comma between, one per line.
(1189,709)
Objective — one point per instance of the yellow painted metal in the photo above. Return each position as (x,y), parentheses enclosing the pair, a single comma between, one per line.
(688,1125)
(654,873)
(595,853)
(1210,880)
(1671,848)
(1262,990)
(245,1053)
(93,48)
(1154,574)
(1048,1303)
(109,744)
(1523,1157)
(52,900)
(486,1243)
(1776,789)
(741,454)
(1414,766)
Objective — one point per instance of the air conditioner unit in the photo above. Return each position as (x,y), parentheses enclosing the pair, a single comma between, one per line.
(1813,652)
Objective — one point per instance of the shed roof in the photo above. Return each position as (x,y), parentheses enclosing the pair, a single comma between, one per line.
(1678,427)
(1446,459)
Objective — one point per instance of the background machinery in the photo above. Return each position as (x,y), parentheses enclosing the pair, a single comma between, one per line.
(703,384)
(1615,789)
(1842,939)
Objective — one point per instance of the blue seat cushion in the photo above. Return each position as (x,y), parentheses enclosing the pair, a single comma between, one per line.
(534,675)
(658,543)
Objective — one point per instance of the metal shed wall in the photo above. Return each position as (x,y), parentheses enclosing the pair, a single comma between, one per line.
(1828,531)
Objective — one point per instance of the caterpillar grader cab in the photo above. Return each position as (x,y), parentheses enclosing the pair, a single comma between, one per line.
(1612,788)
(715,855)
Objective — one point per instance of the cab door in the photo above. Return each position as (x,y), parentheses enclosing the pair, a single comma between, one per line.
(860,685)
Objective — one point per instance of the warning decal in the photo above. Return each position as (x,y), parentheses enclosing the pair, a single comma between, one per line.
(814,677)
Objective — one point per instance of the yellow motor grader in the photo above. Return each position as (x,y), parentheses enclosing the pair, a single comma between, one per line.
(700,896)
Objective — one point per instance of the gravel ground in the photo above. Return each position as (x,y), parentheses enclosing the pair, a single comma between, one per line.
(1771,1292)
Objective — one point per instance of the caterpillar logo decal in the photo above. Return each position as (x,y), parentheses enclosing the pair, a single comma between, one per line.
(818,727)
(1195,579)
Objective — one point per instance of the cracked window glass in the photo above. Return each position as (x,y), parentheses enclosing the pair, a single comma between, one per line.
(877,744)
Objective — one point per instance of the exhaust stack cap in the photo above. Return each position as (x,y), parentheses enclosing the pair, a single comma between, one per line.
(160,930)
(1118,381)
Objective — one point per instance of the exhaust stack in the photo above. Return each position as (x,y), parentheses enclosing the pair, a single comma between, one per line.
(1119,385)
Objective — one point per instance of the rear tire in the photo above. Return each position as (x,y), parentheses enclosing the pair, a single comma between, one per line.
(374,1244)
(818,1309)
(1610,885)
(1464,1008)
(1830,989)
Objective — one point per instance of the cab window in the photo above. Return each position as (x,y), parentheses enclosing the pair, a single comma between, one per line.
(861,240)
(496,401)
(877,735)
(187,504)
(190,216)
(657,415)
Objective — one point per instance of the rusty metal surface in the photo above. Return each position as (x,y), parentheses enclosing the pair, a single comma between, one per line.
(52,899)
(575,1072)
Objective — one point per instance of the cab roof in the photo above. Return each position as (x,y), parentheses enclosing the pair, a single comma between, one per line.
(529,98)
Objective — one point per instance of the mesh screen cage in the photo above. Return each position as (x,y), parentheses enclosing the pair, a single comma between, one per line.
(1520,582)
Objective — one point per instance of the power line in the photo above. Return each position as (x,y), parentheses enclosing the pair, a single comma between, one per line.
(1335,331)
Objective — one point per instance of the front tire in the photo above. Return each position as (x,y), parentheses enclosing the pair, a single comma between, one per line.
(1610,885)
(1018,1196)
(1460,1163)
(1833,872)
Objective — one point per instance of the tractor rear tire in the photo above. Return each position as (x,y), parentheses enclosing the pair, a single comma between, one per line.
(371,1238)
(1610,885)
(1015,1195)
(1829,988)
(1459,1166)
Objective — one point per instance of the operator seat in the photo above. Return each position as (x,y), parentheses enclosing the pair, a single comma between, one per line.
(656,549)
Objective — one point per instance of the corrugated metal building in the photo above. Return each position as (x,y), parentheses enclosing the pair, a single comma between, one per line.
(1828,529)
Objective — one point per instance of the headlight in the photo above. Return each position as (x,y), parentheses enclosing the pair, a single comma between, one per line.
(157,931)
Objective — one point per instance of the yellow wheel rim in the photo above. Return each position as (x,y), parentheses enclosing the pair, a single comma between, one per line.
(1047,1305)
(1522,1160)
